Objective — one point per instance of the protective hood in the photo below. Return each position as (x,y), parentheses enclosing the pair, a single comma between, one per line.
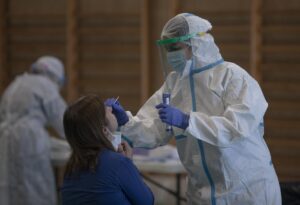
(193,31)
(51,67)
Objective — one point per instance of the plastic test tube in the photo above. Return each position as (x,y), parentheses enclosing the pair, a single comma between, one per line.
(166,100)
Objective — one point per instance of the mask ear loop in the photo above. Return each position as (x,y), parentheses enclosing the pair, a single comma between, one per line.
(109,135)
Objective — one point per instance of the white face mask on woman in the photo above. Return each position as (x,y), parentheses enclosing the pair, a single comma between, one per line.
(115,138)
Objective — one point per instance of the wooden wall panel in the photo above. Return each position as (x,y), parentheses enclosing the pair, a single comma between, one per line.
(72,49)
(145,49)
(4,30)
(27,43)
(215,5)
(111,7)
(159,15)
(36,28)
(280,82)
(110,51)
(281,5)
(231,26)
(37,7)
(34,34)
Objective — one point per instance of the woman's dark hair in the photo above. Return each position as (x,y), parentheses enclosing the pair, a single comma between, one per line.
(84,121)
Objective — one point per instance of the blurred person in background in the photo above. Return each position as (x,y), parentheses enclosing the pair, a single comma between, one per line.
(30,104)
(216,111)
(96,173)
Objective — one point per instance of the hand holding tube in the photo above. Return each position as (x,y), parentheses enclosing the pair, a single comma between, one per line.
(125,149)
(173,116)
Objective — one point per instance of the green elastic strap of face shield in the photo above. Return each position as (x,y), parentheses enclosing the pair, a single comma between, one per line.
(178,39)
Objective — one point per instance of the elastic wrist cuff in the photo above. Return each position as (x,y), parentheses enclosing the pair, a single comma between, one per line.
(186,121)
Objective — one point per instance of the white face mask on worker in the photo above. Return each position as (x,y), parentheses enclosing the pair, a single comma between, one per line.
(177,60)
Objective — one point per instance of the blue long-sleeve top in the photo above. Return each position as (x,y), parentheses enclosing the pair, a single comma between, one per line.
(116,181)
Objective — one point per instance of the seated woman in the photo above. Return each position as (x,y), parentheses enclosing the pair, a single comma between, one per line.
(96,173)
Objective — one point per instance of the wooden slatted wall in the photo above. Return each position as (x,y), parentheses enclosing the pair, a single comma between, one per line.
(281,84)
(110,51)
(159,13)
(35,29)
(231,26)
(4,21)
(107,57)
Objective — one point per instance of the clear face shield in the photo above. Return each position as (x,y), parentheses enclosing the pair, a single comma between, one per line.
(174,52)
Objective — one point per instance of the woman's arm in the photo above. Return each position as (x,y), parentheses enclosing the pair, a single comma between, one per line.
(132,184)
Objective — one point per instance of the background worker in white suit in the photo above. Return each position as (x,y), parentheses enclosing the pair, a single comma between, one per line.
(29,104)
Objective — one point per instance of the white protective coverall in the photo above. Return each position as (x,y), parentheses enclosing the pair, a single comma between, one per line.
(31,102)
(222,149)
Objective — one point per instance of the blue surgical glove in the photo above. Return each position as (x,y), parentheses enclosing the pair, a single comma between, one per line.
(173,116)
(117,110)
(110,101)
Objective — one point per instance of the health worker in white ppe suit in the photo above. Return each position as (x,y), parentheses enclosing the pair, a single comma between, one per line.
(29,104)
(216,111)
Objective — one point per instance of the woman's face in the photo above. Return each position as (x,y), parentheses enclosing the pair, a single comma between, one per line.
(112,123)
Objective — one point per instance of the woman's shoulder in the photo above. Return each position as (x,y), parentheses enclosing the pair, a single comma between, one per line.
(111,158)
